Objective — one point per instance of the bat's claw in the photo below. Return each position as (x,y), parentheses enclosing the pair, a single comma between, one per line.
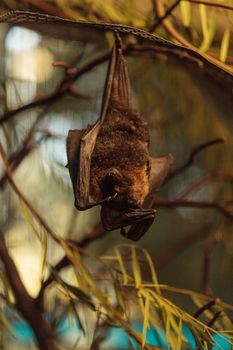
(118,40)
(108,199)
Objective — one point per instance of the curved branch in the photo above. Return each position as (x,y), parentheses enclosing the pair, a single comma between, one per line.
(26,304)
(219,176)
(62,89)
(207,306)
(221,206)
(192,157)
(166,14)
(39,218)
(211,3)
(160,12)
(179,246)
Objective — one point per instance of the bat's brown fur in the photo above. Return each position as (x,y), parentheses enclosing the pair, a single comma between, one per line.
(109,163)
(122,144)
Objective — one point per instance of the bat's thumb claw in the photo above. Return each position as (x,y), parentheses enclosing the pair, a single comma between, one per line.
(118,40)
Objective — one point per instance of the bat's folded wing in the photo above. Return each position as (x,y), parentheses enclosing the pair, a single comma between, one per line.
(80,145)
(114,218)
(73,148)
(139,219)
(159,169)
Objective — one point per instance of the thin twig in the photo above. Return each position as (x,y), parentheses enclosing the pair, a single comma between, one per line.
(166,14)
(60,92)
(217,315)
(207,306)
(218,176)
(39,218)
(96,233)
(179,246)
(221,206)
(25,303)
(207,259)
(159,10)
(192,157)
(16,159)
(211,3)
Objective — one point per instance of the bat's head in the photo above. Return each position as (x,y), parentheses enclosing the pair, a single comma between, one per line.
(110,182)
(129,187)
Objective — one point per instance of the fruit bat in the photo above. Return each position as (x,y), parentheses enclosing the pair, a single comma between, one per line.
(109,162)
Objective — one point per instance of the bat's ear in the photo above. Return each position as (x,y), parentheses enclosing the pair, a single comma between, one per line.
(158,171)
(72,148)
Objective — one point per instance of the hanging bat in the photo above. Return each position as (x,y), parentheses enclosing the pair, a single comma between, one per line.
(109,162)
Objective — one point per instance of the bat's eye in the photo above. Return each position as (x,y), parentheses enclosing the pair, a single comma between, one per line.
(114,173)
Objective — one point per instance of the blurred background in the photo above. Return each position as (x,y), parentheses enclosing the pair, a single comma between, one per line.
(184,108)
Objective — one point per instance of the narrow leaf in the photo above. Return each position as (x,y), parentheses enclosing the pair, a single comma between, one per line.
(82,296)
(152,269)
(208,29)
(122,266)
(225,45)
(185,8)
(145,321)
(136,268)
(180,336)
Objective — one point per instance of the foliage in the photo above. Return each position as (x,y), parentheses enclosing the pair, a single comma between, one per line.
(115,288)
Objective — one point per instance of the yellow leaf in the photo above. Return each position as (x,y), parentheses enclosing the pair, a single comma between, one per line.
(225,45)
(208,27)
(180,336)
(122,266)
(136,268)
(168,331)
(186,12)
(39,232)
(146,320)
(29,219)
(152,269)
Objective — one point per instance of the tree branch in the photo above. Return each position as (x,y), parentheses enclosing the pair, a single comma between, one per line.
(62,89)
(159,10)
(207,259)
(39,218)
(207,306)
(167,13)
(221,206)
(178,246)
(25,304)
(27,146)
(211,3)
(219,176)
(96,233)
(192,157)
(217,315)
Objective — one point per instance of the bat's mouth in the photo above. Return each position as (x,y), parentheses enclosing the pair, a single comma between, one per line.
(109,183)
